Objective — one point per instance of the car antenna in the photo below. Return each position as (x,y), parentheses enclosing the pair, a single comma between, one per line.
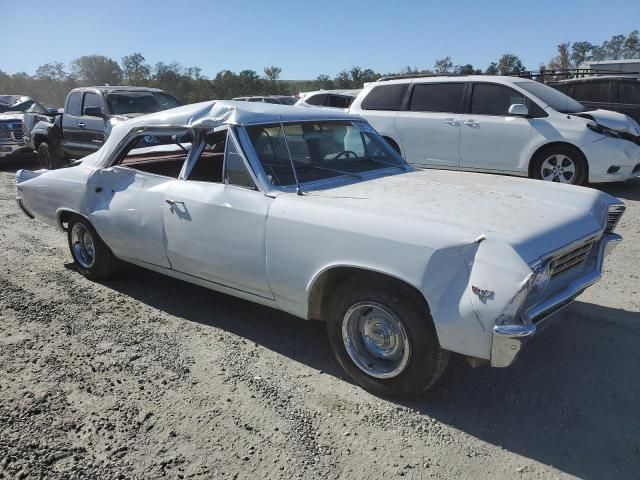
(286,143)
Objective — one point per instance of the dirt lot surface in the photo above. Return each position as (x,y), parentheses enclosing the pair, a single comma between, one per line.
(147,377)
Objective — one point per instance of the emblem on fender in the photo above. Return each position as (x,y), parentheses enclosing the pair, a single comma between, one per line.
(482,293)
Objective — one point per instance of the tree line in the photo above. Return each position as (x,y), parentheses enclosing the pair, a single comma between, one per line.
(52,81)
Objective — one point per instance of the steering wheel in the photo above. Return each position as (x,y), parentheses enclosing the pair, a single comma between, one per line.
(346,154)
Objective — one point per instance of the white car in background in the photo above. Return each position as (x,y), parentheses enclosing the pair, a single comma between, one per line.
(310,211)
(328,98)
(502,125)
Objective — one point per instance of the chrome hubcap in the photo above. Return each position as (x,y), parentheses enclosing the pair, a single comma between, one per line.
(558,168)
(375,340)
(82,245)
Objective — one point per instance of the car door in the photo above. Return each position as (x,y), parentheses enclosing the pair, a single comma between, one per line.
(91,129)
(430,128)
(491,138)
(126,201)
(71,132)
(215,222)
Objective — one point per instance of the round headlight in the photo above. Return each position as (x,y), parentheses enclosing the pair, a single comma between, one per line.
(543,275)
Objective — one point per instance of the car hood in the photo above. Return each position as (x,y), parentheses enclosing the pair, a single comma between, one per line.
(534,217)
(11,116)
(613,120)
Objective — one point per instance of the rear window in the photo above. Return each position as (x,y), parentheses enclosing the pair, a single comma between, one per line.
(385,97)
(591,91)
(437,97)
(73,104)
(629,92)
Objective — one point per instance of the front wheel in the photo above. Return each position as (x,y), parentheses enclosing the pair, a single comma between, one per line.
(91,255)
(383,336)
(47,158)
(561,165)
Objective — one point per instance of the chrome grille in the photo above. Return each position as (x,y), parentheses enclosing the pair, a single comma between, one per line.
(11,131)
(615,212)
(572,258)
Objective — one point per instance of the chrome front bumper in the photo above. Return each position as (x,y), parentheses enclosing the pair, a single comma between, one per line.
(508,340)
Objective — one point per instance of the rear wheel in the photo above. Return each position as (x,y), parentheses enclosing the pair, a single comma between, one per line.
(383,336)
(560,164)
(91,255)
(47,158)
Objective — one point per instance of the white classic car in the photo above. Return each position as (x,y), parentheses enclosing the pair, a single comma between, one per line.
(311,212)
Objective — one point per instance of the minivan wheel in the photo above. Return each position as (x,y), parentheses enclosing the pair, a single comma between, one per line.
(561,165)
(383,336)
(91,255)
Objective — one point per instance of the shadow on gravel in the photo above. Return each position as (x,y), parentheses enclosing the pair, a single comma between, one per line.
(570,401)
(629,190)
(13,164)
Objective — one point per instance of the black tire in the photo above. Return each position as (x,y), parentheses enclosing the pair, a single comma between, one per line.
(103,263)
(581,175)
(427,361)
(47,157)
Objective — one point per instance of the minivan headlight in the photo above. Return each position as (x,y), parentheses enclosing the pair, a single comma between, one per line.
(602,130)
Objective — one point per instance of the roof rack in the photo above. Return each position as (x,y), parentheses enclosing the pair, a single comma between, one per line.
(548,75)
(419,75)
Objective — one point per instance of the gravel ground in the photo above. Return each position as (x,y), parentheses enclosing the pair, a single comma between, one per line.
(145,377)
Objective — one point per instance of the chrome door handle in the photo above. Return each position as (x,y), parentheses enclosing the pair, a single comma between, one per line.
(471,123)
(81,125)
(450,121)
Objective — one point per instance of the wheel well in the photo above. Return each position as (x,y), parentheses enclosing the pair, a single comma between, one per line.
(393,144)
(548,146)
(38,139)
(326,285)
(65,216)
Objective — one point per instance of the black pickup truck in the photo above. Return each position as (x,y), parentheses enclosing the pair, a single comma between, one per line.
(89,115)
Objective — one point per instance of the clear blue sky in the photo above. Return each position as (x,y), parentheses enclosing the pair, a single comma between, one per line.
(304,38)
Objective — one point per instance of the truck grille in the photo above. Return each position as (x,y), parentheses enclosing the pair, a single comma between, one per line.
(11,131)
(570,259)
(615,212)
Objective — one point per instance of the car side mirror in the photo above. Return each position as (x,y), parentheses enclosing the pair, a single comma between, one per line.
(519,110)
(93,112)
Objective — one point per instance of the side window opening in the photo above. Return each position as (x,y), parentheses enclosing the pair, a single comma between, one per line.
(235,170)
(159,154)
(208,167)
(73,104)
(385,97)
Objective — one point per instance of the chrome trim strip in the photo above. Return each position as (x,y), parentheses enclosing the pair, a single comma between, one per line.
(508,340)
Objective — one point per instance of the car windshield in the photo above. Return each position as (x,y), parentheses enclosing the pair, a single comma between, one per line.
(320,150)
(287,100)
(552,97)
(124,103)
(23,106)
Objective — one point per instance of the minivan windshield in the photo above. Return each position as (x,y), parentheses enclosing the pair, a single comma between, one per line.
(320,150)
(552,97)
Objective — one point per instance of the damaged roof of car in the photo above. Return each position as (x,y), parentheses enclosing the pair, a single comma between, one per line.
(216,113)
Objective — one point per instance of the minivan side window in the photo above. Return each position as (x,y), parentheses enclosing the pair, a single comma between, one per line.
(385,97)
(591,91)
(437,97)
(629,92)
(73,104)
(317,99)
(492,99)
